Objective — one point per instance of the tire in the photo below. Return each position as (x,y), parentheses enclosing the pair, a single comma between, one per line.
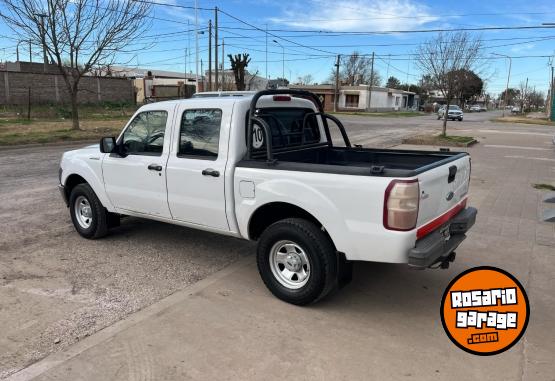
(460,119)
(438,117)
(297,242)
(88,215)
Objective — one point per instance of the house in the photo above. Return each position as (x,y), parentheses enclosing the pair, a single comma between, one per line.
(362,98)
(152,85)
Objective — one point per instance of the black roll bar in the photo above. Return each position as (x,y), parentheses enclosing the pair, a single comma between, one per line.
(333,119)
(268,133)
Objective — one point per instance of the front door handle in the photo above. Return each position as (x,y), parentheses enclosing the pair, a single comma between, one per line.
(210,172)
(155,167)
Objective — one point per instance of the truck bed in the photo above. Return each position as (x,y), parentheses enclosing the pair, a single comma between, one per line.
(357,161)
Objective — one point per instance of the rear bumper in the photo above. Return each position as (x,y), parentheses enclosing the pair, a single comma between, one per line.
(437,246)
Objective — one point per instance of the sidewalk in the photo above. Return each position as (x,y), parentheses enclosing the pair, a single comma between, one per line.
(385,325)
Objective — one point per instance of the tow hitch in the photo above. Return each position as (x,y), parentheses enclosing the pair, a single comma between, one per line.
(444,264)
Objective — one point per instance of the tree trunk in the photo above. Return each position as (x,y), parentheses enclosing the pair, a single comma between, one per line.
(445,114)
(74,111)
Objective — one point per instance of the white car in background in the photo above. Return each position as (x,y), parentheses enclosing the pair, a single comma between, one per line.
(454,112)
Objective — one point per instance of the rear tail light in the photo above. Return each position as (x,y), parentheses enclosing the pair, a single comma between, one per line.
(400,209)
(282,98)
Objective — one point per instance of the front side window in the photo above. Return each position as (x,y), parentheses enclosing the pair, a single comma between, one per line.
(145,134)
(200,133)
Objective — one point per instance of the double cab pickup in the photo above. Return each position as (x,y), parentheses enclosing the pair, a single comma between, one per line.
(274,168)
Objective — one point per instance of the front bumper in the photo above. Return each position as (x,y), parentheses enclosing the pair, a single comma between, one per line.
(437,246)
(63,192)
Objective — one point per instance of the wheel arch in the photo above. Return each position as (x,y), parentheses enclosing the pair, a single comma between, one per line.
(267,214)
(71,182)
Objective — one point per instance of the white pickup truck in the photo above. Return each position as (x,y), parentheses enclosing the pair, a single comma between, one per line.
(264,167)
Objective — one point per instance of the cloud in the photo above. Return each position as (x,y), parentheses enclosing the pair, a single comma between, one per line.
(521,48)
(356,15)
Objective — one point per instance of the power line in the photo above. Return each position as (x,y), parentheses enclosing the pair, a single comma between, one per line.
(324,32)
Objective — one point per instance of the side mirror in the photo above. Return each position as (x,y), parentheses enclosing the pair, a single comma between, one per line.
(107,144)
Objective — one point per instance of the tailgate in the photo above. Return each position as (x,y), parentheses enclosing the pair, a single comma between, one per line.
(440,191)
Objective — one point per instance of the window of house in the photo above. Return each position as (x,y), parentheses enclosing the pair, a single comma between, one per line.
(200,133)
(145,134)
(351,100)
(396,101)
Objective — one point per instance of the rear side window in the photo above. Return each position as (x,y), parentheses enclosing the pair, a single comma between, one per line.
(200,133)
(287,129)
(145,134)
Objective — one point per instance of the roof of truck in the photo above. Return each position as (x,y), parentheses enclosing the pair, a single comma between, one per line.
(227,100)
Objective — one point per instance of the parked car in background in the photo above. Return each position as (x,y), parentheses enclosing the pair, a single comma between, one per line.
(483,108)
(475,108)
(515,110)
(454,112)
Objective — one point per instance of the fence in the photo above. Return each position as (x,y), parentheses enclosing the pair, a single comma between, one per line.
(50,88)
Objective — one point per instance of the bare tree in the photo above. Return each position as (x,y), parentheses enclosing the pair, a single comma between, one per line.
(443,57)
(356,69)
(77,35)
(306,79)
(238,65)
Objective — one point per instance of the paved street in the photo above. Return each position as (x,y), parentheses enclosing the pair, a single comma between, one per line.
(195,322)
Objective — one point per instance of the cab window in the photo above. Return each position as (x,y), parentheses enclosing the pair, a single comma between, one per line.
(145,134)
(199,134)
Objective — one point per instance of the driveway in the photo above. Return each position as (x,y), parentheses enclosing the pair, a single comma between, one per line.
(57,289)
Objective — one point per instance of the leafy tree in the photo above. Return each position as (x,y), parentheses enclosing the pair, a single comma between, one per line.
(393,83)
(468,83)
(512,93)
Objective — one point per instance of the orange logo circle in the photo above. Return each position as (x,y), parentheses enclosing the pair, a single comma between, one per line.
(485,310)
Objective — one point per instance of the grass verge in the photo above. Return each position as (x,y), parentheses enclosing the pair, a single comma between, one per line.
(524,120)
(21,131)
(391,114)
(543,186)
(438,140)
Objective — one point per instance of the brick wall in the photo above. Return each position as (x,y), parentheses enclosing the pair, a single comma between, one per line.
(51,88)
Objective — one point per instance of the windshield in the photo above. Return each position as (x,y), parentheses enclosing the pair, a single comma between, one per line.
(454,107)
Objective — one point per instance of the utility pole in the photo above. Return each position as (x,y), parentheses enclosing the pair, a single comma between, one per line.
(223,63)
(185,70)
(336,90)
(209,55)
(506,103)
(267,51)
(552,103)
(196,43)
(43,37)
(30,53)
(371,81)
(525,96)
(282,59)
(216,46)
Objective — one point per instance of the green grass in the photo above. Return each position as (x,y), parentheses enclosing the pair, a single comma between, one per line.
(439,140)
(543,186)
(54,136)
(524,120)
(391,114)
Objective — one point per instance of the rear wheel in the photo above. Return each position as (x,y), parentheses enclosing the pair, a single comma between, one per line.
(88,215)
(297,261)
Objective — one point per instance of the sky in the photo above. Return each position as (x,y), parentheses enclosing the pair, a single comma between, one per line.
(306,42)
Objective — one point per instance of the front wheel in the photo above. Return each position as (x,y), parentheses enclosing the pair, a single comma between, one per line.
(88,215)
(297,261)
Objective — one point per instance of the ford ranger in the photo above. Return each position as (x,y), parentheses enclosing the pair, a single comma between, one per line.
(264,167)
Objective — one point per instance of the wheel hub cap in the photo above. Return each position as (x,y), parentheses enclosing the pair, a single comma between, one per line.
(290,264)
(83,212)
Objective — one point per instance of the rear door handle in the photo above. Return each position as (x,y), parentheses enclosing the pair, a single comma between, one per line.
(155,167)
(210,172)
